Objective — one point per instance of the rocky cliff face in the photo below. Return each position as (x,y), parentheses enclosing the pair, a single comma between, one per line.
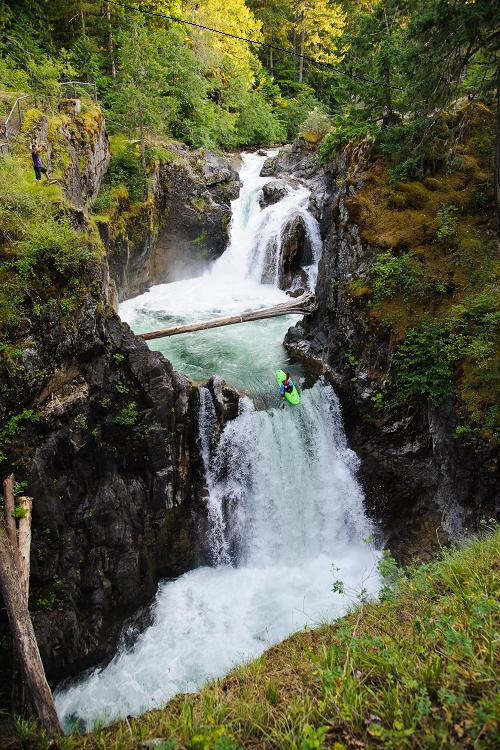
(107,441)
(181,228)
(111,462)
(418,477)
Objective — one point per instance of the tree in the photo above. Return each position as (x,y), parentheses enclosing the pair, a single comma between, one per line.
(318,26)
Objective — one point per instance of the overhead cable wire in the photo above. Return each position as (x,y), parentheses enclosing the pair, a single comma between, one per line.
(312,60)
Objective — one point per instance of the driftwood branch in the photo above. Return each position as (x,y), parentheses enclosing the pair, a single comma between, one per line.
(24,542)
(14,587)
(298,306)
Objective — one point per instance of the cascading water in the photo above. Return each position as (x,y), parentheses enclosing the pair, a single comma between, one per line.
(283,503)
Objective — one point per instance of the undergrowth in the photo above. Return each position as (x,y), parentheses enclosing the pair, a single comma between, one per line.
(416,669)
(433,285)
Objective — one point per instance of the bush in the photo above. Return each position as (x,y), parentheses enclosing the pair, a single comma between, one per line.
(315,127)
(128,415)
(424,363)
(104,201)
(340,135)
(392,272)
(447,224)
(125,168)
(296,107)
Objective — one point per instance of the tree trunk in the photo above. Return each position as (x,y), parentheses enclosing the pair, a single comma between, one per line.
(143,153)
(24,637)
(271,65)
(497,166)
(111,46)
(82,17)
(24,537)
(301,61)
(298,306)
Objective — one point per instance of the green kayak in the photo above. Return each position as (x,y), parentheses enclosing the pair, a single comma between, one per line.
(293,397)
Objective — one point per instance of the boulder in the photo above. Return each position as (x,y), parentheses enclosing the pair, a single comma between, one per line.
(295,252)
(273,192)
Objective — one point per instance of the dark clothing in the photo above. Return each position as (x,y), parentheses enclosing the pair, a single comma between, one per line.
(286,386)
(37,160)
(38,164)
(39,171)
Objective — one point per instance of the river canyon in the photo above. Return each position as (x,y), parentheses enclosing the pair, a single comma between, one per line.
(285,514)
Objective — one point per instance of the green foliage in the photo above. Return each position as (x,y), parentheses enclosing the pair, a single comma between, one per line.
(128,415)
(446,224)
(316,126)
(425,360)
(340,134)
(41,252)
(13,427)
(125,169)
(391,273)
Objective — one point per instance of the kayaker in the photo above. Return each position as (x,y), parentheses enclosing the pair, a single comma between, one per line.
(286,386)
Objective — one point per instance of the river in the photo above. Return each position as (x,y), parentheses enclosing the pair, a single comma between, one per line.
(285,510)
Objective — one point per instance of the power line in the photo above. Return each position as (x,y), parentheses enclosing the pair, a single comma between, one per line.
(320,64)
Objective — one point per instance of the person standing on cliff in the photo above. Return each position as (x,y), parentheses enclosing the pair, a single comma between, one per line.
(37,162)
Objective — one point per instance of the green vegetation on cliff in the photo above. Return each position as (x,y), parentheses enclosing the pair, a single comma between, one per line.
(433,287)
(416,669)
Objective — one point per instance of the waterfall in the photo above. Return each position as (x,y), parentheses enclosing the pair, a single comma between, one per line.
(257,234)
(283,503)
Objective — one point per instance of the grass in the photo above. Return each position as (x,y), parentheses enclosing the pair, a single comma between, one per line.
(416,669)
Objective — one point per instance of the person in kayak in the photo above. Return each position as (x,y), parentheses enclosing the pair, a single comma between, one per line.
(286,386)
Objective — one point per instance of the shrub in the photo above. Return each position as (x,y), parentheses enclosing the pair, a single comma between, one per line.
(315,127)
(128,415)
(447,224)
(340,135)
(424,362)
(392,272)
(125,168)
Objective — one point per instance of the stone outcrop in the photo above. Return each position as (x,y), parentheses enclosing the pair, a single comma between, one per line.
(82,138)
(112,464)
(184,225)
(272,192)
(295,252)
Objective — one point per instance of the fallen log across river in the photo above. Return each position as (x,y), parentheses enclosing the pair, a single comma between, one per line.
(303,305)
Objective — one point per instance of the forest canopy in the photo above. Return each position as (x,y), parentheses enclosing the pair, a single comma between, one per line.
(382,65)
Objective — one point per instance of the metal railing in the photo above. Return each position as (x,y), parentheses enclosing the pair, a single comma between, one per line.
(14,120)
(75,90)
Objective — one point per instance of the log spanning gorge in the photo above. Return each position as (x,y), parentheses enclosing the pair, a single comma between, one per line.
(283,502)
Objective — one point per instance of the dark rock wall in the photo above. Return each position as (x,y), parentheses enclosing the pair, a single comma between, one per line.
(184,227)
(111,454)
(112,465)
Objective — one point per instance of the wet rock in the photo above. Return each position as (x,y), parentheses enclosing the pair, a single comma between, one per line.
(416,474)
(225,398)
(112,464)
(272,192)
(295,252)
(184,228)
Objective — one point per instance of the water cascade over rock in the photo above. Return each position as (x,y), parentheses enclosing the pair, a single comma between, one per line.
(283,503)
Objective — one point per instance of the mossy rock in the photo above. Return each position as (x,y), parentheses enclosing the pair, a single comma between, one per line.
(358,289)
(416,194)
(312,136)
(399,201)
(433,184)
